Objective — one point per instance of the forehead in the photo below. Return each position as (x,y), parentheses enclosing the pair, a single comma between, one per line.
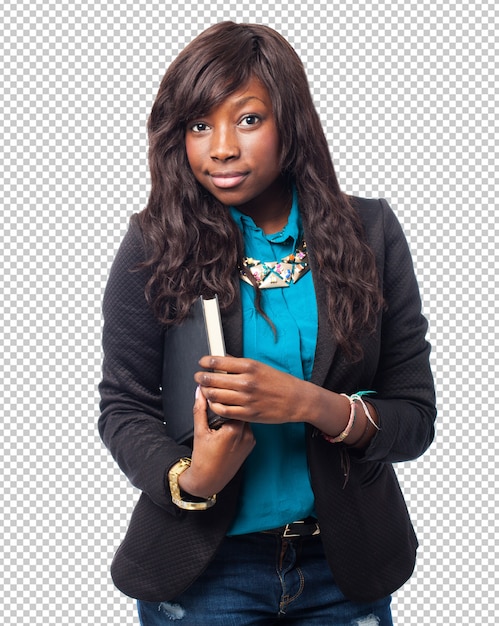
(253,88)
(252,91)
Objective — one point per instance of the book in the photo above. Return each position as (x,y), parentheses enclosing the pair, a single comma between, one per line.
(201,333)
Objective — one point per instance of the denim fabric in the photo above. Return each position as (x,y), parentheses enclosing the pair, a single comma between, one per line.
(259,580)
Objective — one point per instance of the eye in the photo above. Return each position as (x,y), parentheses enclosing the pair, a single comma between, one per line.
(250,120)
(198,127)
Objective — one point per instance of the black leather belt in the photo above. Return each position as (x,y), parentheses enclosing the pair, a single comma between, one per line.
(302,528)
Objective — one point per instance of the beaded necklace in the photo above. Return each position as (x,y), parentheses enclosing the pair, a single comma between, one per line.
(271,274)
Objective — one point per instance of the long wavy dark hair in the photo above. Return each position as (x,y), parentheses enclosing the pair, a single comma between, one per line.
(194,245)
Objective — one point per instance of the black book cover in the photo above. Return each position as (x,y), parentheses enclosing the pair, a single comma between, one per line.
(200,334)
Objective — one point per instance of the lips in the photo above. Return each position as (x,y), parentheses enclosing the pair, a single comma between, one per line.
(227,180)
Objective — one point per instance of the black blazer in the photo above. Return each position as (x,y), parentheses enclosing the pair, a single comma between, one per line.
(365,528)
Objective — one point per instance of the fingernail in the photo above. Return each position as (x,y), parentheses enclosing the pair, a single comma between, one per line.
(198,391)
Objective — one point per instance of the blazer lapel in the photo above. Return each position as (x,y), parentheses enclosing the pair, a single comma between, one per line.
(326,343)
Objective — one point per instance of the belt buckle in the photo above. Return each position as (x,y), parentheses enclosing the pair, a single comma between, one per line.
(287,532)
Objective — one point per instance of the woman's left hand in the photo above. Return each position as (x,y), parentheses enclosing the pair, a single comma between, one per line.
(252,391)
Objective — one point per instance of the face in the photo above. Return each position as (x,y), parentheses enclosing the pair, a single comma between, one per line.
(233,151)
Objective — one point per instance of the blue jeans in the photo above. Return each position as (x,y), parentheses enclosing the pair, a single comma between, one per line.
(261,579)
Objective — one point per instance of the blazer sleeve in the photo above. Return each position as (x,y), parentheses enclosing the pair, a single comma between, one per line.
(403,381)
(131,423)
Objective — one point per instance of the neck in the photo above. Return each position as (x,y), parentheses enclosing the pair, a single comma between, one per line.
(270,210)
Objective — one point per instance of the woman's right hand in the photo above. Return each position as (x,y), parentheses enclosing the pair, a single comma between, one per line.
(217,454)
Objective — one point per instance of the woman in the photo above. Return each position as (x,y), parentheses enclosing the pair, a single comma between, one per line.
(298,514)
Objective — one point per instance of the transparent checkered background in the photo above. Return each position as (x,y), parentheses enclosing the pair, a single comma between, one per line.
(407,94)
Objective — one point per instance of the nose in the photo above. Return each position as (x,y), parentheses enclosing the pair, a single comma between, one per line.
(224,144)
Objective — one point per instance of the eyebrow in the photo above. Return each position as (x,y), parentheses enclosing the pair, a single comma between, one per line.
(243,101)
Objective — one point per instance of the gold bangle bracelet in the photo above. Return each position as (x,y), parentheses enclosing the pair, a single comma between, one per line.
(173,474)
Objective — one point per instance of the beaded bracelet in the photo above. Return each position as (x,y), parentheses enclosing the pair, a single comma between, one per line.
(358,396)
(343,435)
(348,428)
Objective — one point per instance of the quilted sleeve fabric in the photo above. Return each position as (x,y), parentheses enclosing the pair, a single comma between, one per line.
(131,422)
(405,396)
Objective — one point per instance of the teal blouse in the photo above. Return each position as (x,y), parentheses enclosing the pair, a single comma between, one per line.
(276,485)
